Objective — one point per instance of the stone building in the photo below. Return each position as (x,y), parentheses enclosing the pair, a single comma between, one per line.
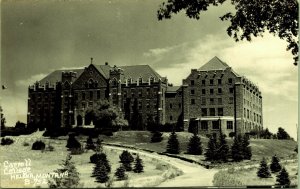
(216,97)
(212,97)
(64,96)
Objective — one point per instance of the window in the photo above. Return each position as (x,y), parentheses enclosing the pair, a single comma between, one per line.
(219,101)
(203,91)
(230,90)
(171,118)
(215,125)
(248,114)
(230,100)
(129,81)
(211,81)
(219,90)
(212,112)
(230,80)
(192,101)
(229,124)
(244,112)
(91,95)
(211,101)
(171,106)
(211,91)
(192,92)
(192,82)
(203,82)
(140,80)
(204,125)
(220,111)
(83,95)
(219,81)
(203,101)
(98,94)
(83,105)
(151,80)
(204,111)
(140,93)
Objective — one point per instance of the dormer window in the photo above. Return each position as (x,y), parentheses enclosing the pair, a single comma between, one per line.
(90,84)
(140,80)
(151,80)
(129,81)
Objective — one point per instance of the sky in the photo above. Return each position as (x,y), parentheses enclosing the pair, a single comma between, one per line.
(39,36)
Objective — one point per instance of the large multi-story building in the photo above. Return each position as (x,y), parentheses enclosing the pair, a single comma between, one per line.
(211,98)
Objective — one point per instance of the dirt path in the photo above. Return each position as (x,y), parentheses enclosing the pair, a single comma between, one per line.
(193,174)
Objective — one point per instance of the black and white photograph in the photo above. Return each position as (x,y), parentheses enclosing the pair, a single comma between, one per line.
(149,93)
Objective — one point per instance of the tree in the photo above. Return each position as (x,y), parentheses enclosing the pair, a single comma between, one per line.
(2,118)
(120,173)
(71,180)
(283,178)
(102,158)
(180,123)
(237,149)
(90,144)
(194,145)
(99,147)
(250,18)
(173,144)
(108,116)
(247,153)
(263,171)
(100,172)
(222,148)
(72,142)
(282,134)
(126,159)
(211,151)
(138,166)
(275,166)
(266,134)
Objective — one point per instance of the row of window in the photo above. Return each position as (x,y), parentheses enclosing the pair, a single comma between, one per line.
(212,81)
(255,117)
(212,101)
(151,80)
(216,125)
(212,112)
(212,91)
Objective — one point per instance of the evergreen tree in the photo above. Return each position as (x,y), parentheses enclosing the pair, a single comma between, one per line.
(138,166)
(275,166)
(247,154)
(69,181)
(100,172)
(210,154)
(222,148)
(282,134)
(173,144)
(120,173)
(90,144)
(237,149)
(194,145)
(73,142)
(126,159)
(283,178)
(102,158)
(99,148)
(263,171)
(156,136)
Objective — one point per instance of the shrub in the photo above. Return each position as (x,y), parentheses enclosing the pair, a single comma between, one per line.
(275,166)
(210,154)
(263,171)
(231,134)
(283,178)
(76,151)
(156,136)
(194,145)
(70,181)
(100,172)
(237,149)
(102,158)
(138,166)
(120,173)
(90,144)
(173,144)
(38,145)
(126,159)
(73,142)
(247,153)
(6,141)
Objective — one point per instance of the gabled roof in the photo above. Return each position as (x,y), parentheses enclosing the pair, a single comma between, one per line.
(55,76)
(133,72)
(214,64)
(137,71)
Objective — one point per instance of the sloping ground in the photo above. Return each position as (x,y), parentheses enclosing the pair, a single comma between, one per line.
(284,149)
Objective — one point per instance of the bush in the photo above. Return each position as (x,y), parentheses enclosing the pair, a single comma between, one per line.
(156,137)
(231,134)
(173,144)
(76,151)
(100,172)
(126,159)
(138,166)
(73,142)
(194,145)
(283,178)
(90,144)
(6,141)
(38,145)
(263,171)
(275,166)
(120,173)
(102,158)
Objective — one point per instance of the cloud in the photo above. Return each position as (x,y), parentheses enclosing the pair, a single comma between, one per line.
(30,80)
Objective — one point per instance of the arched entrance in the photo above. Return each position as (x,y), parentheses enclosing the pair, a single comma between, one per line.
(79,120)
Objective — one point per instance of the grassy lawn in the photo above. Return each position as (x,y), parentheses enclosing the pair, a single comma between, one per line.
(45,162)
